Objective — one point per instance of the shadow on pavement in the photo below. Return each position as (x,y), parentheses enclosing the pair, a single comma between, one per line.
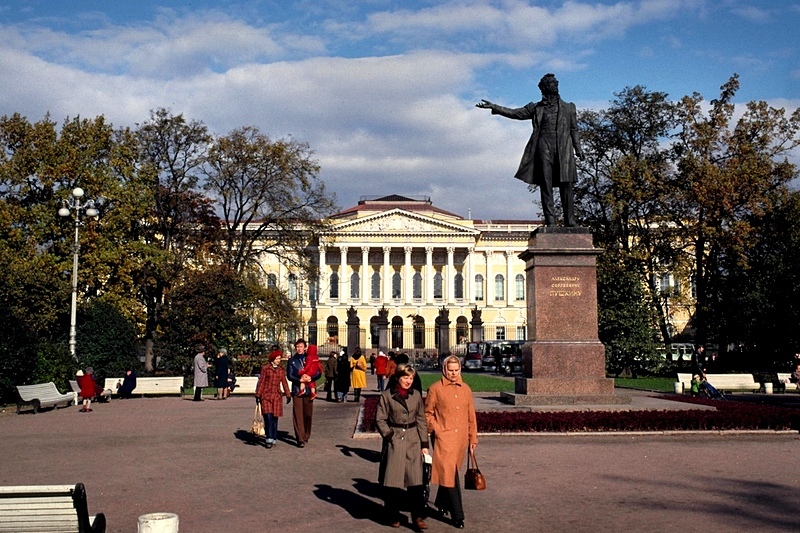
(358,506)
(368,455)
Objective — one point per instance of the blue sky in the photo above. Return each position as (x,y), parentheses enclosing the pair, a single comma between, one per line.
(384,91)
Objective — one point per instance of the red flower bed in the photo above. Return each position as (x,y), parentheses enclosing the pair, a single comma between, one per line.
(729,415)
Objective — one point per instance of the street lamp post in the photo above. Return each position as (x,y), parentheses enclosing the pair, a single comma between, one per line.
(77,205)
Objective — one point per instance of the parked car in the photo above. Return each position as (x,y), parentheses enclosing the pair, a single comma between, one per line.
(508,353)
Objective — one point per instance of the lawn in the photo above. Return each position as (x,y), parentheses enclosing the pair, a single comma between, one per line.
(477,382)
(659,384)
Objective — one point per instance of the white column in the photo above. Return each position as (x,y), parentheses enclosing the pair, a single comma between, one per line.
(322,288)
(344,276)
(469,282)
(451,272)
(428,279)
(408,276)
(386,275)
(510,285)
(365,274)
(489,278)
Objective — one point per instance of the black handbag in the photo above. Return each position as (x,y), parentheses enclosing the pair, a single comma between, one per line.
(473,479)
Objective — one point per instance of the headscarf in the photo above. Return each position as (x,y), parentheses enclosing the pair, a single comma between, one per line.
(451,359)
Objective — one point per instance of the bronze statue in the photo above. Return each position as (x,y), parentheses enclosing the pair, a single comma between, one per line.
(549,158)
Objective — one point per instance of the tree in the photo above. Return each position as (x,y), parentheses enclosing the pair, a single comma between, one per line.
(622,196)
(215,307)
(761,292)
(181,225)
(727,176)
(268,190)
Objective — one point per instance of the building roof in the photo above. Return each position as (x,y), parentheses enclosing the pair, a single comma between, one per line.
(369,204)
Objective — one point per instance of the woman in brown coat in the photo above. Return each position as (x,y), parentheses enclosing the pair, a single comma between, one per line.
(401,423)
(450,413)
(268,394)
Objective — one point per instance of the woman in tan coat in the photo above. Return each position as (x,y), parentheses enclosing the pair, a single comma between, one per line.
(401,423)
(450,413)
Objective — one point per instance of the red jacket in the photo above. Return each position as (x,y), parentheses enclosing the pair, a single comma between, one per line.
(380,364)
(88,387)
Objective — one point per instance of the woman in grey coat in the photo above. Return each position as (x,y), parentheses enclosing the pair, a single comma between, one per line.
(401,423)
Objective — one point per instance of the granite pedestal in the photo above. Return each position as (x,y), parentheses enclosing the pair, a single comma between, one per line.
(564,361)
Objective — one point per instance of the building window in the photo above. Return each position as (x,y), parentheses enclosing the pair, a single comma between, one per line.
(479,288)
(458,286)
(437,285)
(665,283)
(499,287)
(272,281)
(500,333)
(519,287)
(312,292)
(355,283)
(417,285)
(375,286)
(292,294)
(334,288)
(521,333)
(397,284)
(333,330)
(419,332)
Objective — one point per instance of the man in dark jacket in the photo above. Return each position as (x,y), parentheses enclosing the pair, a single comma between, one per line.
(302,406)
(549,157)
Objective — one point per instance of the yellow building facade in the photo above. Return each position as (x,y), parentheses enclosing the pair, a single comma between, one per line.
(413,259)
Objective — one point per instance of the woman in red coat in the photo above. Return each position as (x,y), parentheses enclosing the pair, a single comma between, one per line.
(89,389)
(268,394)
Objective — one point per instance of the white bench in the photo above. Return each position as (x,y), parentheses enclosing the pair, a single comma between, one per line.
(42,395)
(150,386)
(43,508)
(788,386)
(724,382)
(245,385)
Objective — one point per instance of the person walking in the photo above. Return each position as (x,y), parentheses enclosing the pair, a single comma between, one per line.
(303,405)
(268,394)
(342,376)
(221,374)
(330,375)
(200,373)
(358,378)
(401,423)
(450,414)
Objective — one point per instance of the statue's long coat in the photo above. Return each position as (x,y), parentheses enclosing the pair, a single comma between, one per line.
(567,139)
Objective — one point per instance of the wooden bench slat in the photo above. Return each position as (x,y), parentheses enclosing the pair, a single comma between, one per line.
(37,489)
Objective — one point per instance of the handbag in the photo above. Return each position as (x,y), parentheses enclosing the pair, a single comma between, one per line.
(257,428)
(473,479)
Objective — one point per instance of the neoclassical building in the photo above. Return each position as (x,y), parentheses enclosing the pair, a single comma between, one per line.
(413,259)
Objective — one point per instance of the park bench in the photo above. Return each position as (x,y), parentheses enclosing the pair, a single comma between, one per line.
(784,383)
(156,386)
(45,508)
(245,385)
(42,395)
(724,382)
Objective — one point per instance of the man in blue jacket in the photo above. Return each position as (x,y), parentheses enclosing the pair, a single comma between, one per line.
(303,406)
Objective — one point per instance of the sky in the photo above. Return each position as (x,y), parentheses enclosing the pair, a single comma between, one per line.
(384,91)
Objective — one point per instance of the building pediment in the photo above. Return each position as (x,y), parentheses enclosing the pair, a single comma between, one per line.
(399,222)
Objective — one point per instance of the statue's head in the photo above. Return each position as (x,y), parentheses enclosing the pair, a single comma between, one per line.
(548,84)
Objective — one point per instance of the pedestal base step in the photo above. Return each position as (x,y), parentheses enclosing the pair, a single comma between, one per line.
(514,398)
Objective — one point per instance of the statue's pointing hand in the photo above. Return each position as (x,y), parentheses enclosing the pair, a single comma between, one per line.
(485,104)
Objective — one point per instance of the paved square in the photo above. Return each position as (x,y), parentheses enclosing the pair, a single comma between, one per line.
(169,454)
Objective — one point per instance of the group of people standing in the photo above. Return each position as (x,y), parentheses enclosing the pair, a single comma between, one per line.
(343,372)
(224,379)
